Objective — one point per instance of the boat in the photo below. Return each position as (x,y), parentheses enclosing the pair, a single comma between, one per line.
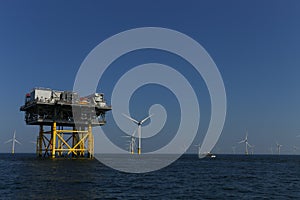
(207,154)
(210,155)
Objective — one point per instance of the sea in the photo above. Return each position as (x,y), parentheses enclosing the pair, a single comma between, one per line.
(24,176)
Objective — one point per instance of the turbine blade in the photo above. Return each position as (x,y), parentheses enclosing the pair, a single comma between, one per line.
(146,119)
(249,145)
(17,141)
(133,133)
(242,141)
(135,121)
(8,141)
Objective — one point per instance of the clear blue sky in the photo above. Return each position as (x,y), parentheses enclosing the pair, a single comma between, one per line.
(255,44)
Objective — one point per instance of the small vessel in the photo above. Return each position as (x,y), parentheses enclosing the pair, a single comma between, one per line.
(210,155)
(207,154)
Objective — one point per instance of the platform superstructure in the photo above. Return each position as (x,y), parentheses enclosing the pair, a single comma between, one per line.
(69,118)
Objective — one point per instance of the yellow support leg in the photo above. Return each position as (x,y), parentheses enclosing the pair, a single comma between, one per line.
(39,143)
(59,142)
(90,141)
(53,139)
(73,140)
(81,144)
(92,145)
(139,151)
(37,146)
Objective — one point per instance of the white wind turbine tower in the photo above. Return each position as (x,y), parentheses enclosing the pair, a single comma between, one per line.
(13,140)
(246,143)
(278,147)
(139,123)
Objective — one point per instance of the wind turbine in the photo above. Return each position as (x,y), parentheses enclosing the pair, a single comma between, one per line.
(233,149)
(198,147)
(13,140)
(278,147)
(252,149)
(132,143)
(139,123)
(184,148)
(271,150)
(246,143)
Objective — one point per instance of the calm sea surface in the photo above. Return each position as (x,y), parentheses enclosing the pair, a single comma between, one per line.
(23,176)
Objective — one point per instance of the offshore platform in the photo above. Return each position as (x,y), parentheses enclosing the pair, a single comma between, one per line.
(69,119)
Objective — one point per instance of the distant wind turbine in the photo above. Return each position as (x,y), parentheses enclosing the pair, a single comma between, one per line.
(13,140)
(184,148)
(271,150)
(233,149)
(246,143)
(278,147)
(132,143)
(252,149)
(198,146)
(139,123)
